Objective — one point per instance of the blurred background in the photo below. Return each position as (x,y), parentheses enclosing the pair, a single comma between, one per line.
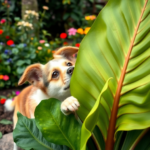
(31,30)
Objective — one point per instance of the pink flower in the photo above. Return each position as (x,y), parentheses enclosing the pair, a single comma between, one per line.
(5,77)
(42,41)
(17,92)
(2,21)
(72,31)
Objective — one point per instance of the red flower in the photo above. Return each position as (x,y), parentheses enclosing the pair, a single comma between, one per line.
(77,44)
(63,35)
(10,42)
(2,101)
(7,37)
(2,21)
(1,31)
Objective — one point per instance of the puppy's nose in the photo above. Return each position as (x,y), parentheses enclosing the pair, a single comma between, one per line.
(70,70)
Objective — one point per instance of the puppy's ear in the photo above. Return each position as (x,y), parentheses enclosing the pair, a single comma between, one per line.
(32,74)
(66,52)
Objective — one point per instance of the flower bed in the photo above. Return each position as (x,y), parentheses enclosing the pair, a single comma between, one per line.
(24,41)
(20,48)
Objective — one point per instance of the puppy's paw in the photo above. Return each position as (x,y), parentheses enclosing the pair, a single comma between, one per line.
(69,105)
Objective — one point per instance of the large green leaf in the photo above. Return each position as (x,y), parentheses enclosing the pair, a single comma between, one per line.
(118,46)
(27,136)
(91,120)
(55,126)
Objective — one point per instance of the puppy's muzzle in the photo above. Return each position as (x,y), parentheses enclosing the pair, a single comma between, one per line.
(70,71)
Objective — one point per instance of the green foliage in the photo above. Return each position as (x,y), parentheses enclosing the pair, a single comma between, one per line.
(32,136)
(5,122)
(70,15)
(15,59)
(52,125)
(22,51)
(55,126)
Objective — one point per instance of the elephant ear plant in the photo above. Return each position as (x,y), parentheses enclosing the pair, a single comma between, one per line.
(111,80)
(118,46)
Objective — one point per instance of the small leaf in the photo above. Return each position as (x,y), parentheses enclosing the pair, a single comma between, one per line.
(65,16)
(20,70)
(91,120)
(33,56)
(75,17)
(28,61)
(2,84)
(4,56)
(27,136)
(15,51)
(20,62)
(99,6)
(1,135)
(17,19)
(8,69)
(4,121)
(55,126)
(20,46)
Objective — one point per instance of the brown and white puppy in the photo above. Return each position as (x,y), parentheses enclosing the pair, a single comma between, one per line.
(51,80)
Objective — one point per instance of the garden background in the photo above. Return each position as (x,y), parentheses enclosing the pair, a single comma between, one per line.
(31,30)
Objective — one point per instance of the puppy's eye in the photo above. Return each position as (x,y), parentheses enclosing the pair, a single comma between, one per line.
(69,64)
(55,74)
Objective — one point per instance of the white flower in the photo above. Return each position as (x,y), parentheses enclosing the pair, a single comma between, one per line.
(30,12)
(26,24)
(25,16)
(46,44)
(20,23)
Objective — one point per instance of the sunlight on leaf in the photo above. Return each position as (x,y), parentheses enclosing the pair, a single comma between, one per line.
(87,126)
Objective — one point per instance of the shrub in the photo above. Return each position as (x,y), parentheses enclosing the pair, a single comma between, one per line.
(19,49)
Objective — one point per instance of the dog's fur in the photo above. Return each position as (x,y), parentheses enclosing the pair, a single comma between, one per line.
(47,81)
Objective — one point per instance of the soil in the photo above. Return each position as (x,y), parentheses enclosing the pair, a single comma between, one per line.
(7,115)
